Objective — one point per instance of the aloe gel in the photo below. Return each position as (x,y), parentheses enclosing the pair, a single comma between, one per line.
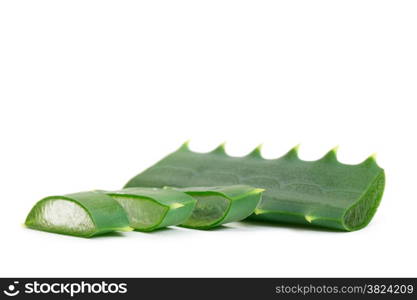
(84,214)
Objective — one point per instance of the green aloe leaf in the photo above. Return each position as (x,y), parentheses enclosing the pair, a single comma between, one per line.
(319,193)
(150,208)
(219,205)
(82,214)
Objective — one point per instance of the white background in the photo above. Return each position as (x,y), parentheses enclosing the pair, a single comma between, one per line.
(93,92)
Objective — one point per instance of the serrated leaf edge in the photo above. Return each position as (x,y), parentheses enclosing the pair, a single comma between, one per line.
(292,154)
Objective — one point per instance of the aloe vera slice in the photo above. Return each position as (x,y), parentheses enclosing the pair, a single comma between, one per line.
(318,193)
(150,208)
(219,205)
(82,214)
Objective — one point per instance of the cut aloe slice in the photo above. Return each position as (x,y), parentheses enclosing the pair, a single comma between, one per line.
(219,205)
(149,208)
(82,214)
(315,193)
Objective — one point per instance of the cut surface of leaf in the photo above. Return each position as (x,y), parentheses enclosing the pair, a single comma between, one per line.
(142,212)
(209,210)
(323,193)
(219,205)
(82,214)
(62,216)
(149,208)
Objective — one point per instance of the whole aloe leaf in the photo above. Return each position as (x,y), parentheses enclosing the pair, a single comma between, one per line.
(320,193)
(82,214)
(220,205)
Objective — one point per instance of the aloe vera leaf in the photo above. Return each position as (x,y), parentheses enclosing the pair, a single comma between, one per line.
(82,214)
(219,205)
(150,208)
(323,193)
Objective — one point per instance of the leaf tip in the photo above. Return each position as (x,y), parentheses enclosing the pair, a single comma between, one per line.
(125,229)
(259,211)
(176,205)
(293,153)
(220,149)
(185,146)
(332,154)
(258,191)
(256,153)
(309,219)
(371,160)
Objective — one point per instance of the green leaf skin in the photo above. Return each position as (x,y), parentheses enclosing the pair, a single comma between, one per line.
(323,193)
(84,214)
(220,205)
(149,208)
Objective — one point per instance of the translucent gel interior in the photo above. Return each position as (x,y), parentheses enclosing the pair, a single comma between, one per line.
(63,216)
(142,213)
(208,210)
